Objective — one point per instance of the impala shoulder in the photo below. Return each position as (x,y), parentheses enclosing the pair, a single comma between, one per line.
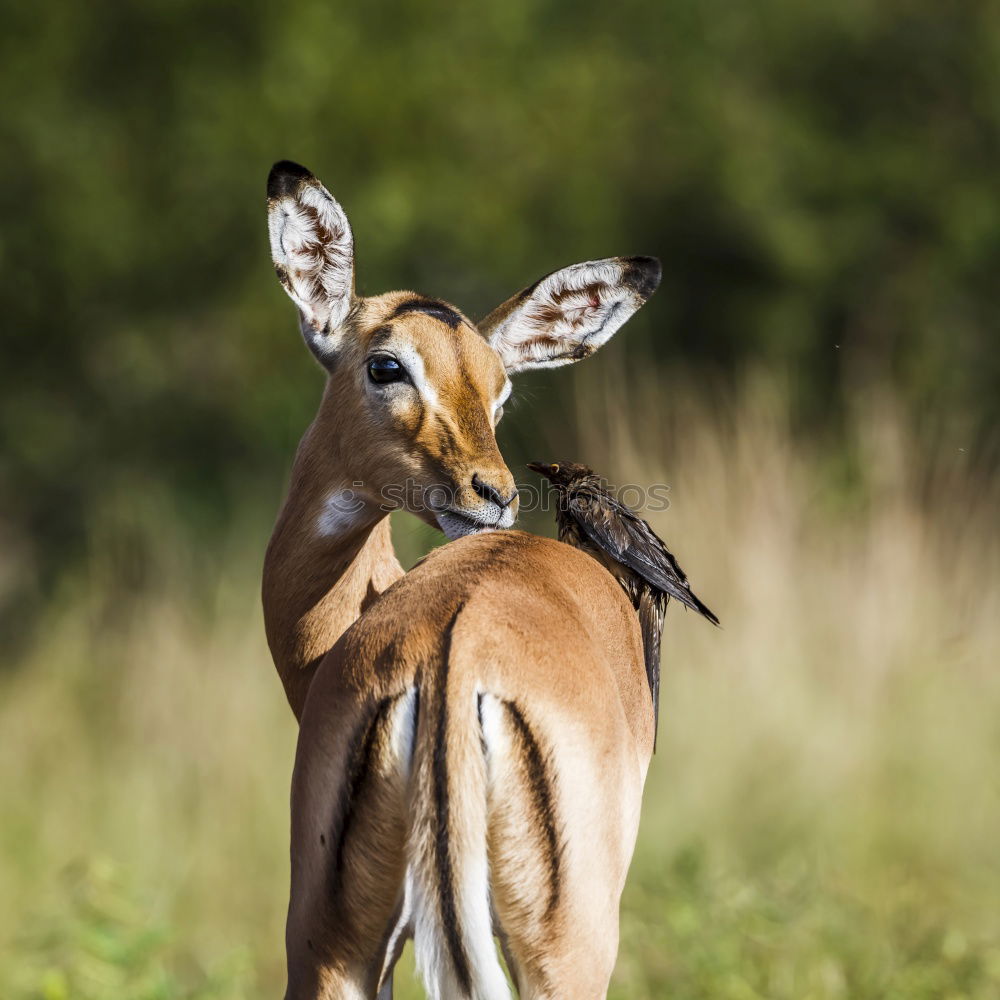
(567,558)
(496,548)
(532,559)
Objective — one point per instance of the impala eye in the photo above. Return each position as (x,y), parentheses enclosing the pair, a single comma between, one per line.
(383,369)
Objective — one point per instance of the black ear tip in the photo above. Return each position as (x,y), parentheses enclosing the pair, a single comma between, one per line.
(285,178)
(643,274)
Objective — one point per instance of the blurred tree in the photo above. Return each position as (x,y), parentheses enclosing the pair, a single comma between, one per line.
(818,179)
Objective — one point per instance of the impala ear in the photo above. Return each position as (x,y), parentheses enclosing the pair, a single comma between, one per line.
(313,252)
(569,314)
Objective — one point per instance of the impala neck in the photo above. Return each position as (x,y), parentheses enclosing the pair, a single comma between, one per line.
(323,567)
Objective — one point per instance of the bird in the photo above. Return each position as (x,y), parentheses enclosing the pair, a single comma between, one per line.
(591,518)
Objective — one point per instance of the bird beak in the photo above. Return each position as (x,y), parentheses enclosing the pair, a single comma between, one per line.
(540,467)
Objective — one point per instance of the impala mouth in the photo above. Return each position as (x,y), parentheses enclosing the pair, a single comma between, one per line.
(457,523)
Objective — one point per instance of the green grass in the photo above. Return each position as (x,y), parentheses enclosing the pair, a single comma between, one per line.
(99,943)
(821,821)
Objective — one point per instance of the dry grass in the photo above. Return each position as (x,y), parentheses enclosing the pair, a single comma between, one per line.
(821,820)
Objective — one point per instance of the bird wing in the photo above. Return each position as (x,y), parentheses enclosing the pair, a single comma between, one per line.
(629,539)
(652,607)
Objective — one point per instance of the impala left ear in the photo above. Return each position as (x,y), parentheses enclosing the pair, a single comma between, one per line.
(313,252)
(569,314)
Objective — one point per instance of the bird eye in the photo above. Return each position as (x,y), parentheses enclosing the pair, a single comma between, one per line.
(383,369)
(555,467)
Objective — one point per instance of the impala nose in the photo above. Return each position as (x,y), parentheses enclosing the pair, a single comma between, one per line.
(491,493)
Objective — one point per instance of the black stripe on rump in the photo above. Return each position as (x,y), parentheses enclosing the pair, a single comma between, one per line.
(543,799)
(442,852)
(363,746)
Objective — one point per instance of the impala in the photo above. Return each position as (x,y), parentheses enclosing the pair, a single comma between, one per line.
(474,734)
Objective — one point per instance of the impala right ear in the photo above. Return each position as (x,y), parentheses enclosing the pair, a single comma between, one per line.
(569,314)
(313,252)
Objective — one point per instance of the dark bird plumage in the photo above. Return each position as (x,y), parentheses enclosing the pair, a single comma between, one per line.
(593,519)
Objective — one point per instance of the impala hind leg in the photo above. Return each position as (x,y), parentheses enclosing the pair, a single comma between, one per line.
(563,815)
(349,826)
(565,951)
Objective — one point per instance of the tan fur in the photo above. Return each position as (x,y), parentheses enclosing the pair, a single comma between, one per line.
(315,587)
(540,625)
(475,733)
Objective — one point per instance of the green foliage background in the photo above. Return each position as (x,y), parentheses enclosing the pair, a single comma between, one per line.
(819,180)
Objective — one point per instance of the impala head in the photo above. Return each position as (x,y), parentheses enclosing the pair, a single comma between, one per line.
(415,389)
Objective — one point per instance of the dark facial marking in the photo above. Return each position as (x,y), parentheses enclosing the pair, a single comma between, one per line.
(432,307)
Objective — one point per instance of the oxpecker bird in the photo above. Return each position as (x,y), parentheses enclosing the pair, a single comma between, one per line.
(591,518)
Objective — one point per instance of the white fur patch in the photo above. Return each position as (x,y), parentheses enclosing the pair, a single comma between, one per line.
(340,512)
(477,924)
(404,729)
(501,399)
(495,735)
(400,934)
(412,360)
